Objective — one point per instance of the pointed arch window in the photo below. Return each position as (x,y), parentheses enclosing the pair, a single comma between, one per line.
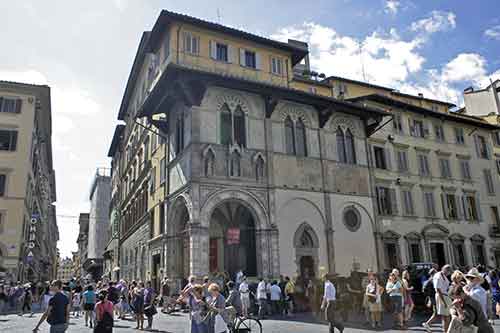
(350,148)
(301,138)
(235,163)
(225,125)
(289,136)
(306,240)
(341,146)
(209,163)
(232,126)
(259,168)
(239,127)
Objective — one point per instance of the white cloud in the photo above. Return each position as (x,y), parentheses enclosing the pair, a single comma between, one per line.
(493,32)
(465,67)
(392,6)
(30,76)
(437,21)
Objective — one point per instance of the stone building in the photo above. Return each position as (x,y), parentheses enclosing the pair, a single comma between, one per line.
(82,242)
(100,197)
(224,164)
(65,269)
(28,228)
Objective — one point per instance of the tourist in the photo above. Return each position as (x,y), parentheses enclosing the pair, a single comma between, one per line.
(443,302)
(475,290)
(245,297)
(165,294)
(76,303)
(104,314)
(57,313)
(27,301)
(495,292)
(328,305)
(262,297)
(408,300)
(138,305)
(89,300)
(149,306)
(290,294)
(216,304)
(374,300)
(194,296)
(467,312)
(234,298)
(3,299)
(394,289)
(275,298)
(430,299)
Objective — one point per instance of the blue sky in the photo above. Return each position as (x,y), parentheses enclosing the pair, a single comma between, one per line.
(84,51)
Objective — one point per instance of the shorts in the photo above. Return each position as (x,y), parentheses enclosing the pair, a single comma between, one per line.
(88,306)
(58,328)
(245,301)
(443,309)
(397,303)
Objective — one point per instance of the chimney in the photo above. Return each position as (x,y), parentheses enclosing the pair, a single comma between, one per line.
(420,95)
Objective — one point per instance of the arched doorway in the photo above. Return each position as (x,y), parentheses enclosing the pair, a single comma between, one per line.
(232,243)
(306,245)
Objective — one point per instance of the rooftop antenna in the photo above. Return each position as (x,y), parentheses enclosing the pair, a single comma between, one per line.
(218,16)
(360,44)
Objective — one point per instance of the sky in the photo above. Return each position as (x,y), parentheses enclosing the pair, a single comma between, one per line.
(84,51)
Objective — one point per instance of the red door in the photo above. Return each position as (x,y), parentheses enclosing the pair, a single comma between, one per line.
(213,254)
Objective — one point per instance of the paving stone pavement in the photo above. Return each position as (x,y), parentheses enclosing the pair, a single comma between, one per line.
(179,323)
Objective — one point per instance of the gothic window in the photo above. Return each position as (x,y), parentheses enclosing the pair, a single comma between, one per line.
(301,138)
(209,163)
(289,136)
(259,168)
(350,148)
(179,133)
(235,170)
(226,125)
(306,239)
(239,127)
(341,146)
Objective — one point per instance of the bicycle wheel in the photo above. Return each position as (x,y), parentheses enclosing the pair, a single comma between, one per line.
(249,325)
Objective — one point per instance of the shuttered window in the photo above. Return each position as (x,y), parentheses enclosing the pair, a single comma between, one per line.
(8,140)
(10,105)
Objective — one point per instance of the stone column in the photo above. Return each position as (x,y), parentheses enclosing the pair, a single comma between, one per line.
(198,250)
(262,249)
(275,255)
(330,248)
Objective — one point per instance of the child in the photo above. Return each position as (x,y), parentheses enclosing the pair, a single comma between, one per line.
(76,303)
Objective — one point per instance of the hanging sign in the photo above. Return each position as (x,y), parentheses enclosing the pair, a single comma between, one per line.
(233,236)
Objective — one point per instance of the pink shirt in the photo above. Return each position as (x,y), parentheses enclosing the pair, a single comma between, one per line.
(102,307)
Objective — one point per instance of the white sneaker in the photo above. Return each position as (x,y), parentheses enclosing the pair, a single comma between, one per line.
(427,327)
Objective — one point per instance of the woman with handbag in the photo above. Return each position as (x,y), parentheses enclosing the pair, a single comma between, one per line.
(149,306)
(408,300)
(216,304)
(104,314)
(193,296)
(138,305)
(374,293)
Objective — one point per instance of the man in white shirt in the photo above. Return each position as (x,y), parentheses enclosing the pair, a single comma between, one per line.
(275,298)
(262,297)
(328,305)
(441,284)
(245,297)
(474,289)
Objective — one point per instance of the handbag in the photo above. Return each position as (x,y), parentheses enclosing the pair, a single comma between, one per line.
(220,324)
(150,311)
(371,299)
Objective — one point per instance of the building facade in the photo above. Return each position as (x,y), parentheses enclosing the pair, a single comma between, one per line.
(100,198)
(235,155)
(65,270)
(28,228)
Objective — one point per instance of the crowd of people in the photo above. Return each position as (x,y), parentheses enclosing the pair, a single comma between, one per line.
(462,301)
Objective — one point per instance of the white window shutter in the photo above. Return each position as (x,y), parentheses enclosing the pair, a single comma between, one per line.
(478,209)
(258,61)
(242,57)
(229,53)
(213,49)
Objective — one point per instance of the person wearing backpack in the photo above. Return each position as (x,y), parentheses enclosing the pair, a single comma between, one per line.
(57,313)
(430,298)
(104,314)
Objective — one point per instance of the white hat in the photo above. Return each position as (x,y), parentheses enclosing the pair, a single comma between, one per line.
(474,274)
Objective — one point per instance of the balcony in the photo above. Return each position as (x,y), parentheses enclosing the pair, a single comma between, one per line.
(494,231)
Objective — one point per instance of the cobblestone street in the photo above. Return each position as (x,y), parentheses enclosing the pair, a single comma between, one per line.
(179,324)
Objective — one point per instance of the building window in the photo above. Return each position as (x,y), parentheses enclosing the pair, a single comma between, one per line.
(402,160)
(8,140)
(414,250)
(191,43)
(295,137)
(481,147)
(423,165)
(495,215)
(221,52)
(226,125)
(478,251)
(417,128)
(3,184)
(489,182)
(346,146)
(10,105)
(444,166)
(465,169)
(407,199)
(439,130)
(496,138)
(450,208)
(152,181)
(380,157)
(300,131)
(386,201)
(459,136)
(289,136)
(429,206)
(239,127)
(397,123)
(352,219)
(259,168)
(233,129)
(470,208)
(162,171)
(179,133)
(146,150)
(209,163)
(250,59)
(276,66)
(235,164)
(162,218)
(459,253)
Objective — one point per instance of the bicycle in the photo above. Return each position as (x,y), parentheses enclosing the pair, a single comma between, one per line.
(242,324)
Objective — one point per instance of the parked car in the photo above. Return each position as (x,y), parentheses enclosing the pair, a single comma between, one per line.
(419,273)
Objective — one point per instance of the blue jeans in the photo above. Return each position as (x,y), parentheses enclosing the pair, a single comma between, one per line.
(58,328)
